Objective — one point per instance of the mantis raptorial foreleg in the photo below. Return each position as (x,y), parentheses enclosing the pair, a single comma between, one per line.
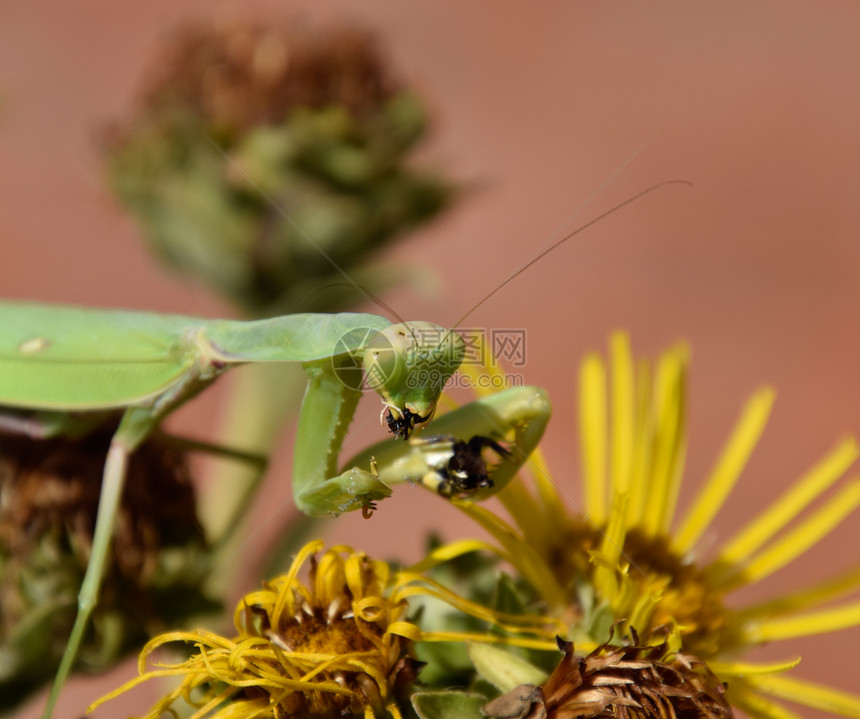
(514,418)
(398,364)
(512,421)
(318,487)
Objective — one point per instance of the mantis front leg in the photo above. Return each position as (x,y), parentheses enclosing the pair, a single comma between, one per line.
(327,410)
(511,421)
(514,418)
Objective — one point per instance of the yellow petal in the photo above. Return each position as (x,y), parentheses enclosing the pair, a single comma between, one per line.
(527,561)
(812,484)
(756,706)
(524,510)
(160,673)
(405,629)
(643,610)
(592,422)
(553,507)
(798,540)
(808,694)
(801,625)
(487,365)
(611,547)
(669,440)
(723,477)
(622,413)
(285,598)
(811,596)
(513,641)
(452,550)
(643,447)
(742,669)
(214,702)
(422,586)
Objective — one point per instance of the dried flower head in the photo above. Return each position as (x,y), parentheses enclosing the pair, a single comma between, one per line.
(632,681)
(332,646)
(49,494)
(239,74)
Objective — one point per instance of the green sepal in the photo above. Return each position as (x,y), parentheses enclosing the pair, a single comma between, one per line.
(508,597)
(597,616)
(503,669)
(448,705)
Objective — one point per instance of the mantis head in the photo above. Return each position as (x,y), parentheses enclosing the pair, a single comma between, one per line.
(409,364)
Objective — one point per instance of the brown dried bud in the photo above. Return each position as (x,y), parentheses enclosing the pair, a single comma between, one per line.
(53,486)
(49,496)
(624,682)
(240,74)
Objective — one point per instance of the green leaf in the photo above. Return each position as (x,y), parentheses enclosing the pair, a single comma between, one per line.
(507,598)
(502,669)
(600,623)
(448,705)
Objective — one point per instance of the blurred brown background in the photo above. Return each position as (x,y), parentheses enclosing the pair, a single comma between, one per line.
(536,107)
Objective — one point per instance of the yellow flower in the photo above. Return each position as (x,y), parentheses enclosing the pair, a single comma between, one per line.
(337,645)
(334,645)
(630,555)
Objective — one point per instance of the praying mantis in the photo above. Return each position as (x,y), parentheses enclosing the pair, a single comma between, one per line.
(65,370)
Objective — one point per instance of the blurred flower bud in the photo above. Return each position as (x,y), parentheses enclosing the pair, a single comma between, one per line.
(262,155)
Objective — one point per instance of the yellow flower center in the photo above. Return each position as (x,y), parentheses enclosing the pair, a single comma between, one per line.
(685,597)
(315,635)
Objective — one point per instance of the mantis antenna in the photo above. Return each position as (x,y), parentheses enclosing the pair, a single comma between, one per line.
(409,397)
(564,239)
(367,294)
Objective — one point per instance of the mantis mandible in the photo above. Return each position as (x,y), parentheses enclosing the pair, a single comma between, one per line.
(63,370)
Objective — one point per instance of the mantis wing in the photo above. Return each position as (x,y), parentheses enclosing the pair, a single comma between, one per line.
(77,359)
(70,358)
(291,338)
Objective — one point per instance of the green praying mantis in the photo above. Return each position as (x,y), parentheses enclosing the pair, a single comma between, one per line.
(65,370)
